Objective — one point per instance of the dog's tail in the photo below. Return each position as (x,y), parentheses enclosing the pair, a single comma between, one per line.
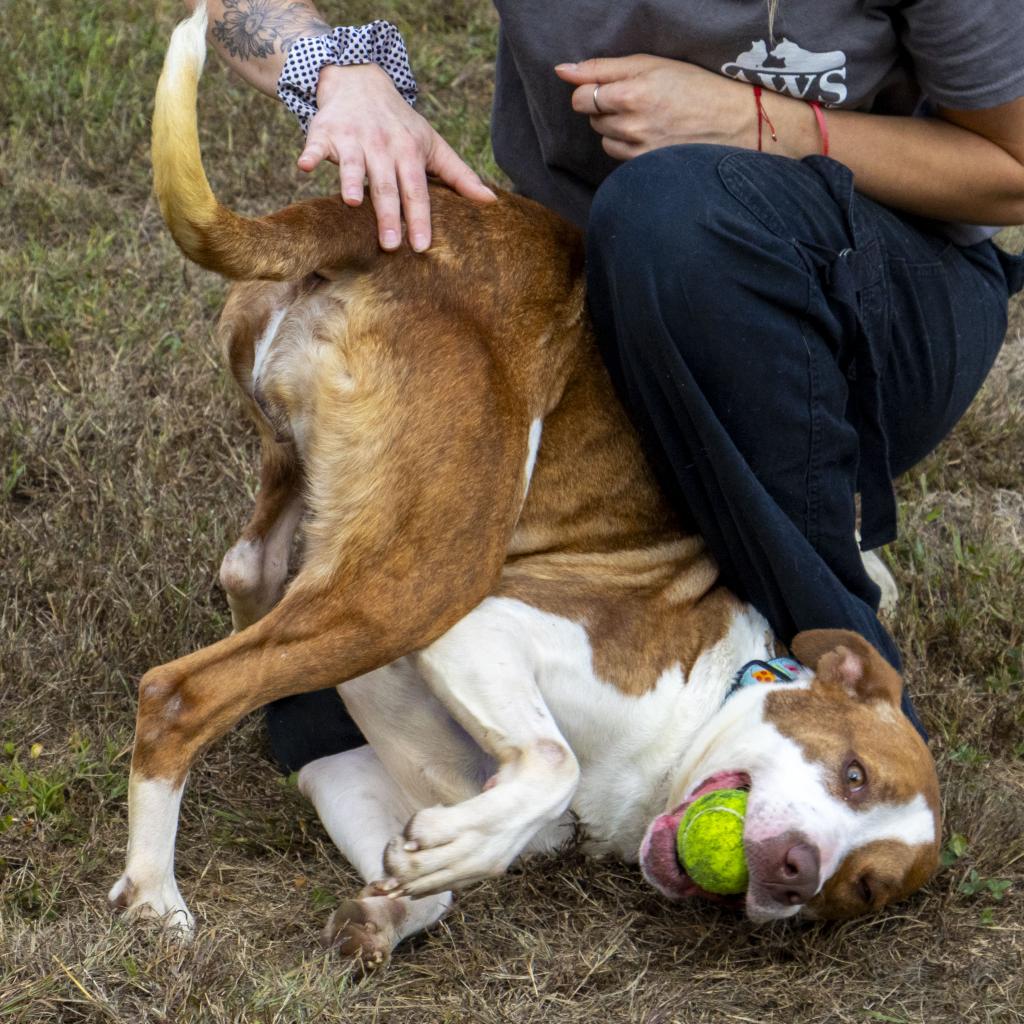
(283,246)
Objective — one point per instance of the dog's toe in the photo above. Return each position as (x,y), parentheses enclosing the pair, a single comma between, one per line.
(365,929)
(159,900)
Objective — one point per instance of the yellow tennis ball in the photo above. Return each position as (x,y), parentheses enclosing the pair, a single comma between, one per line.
(709,842)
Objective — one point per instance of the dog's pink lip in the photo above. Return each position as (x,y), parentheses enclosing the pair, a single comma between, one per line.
(658,860)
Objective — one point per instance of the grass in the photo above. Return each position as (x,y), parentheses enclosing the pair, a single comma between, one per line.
(124,475)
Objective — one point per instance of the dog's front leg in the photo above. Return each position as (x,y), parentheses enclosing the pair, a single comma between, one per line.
(482,671)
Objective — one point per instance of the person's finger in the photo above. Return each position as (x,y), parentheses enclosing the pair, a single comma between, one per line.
(454,171)
(412,183)
(353,171)
(386,200)
(596,99)
(317,150)
(618,150)
(601,69)
(617,126)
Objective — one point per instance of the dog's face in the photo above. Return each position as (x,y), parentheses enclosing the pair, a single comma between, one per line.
(843,807)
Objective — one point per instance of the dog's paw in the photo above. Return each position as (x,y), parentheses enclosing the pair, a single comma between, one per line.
(879,573)
(251,586)
(365,929)
(448,847)
(158,901)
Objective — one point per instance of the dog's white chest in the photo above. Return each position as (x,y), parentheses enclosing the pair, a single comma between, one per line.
(627,745)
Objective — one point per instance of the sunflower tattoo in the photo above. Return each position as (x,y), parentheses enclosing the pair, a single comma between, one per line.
(255,28)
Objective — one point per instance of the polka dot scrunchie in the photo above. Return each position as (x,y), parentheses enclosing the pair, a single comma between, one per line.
(377,43)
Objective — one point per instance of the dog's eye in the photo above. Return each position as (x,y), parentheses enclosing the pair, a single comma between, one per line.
(855,776)
(864,890)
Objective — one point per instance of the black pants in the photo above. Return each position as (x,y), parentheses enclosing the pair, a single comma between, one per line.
(782,344)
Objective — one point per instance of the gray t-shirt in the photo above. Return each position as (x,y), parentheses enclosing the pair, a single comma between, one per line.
(884,56)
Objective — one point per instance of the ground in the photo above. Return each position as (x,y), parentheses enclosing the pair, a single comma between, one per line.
(125,471)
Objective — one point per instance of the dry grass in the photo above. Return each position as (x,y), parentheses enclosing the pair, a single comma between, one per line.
(122,480)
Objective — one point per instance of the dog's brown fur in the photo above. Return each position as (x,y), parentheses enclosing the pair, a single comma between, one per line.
(394,396)
(415,385)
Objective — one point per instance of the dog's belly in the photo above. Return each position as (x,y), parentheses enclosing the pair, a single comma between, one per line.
(627,745)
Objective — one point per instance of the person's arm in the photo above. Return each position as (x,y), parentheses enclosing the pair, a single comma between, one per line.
(253,37)
(963,166)
(362,123)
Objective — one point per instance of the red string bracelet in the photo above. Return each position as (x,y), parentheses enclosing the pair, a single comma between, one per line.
(819,116)
(762,119)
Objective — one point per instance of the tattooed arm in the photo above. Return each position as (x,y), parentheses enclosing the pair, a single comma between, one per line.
(363,124)
(253,36)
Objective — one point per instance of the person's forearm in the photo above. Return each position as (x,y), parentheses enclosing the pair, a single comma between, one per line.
(253,36)
(363,120)
(968,166)
(924,166)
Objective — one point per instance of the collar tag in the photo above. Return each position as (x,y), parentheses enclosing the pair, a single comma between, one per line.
(778,670)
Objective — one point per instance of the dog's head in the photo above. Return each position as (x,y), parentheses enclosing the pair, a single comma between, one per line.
(843,807)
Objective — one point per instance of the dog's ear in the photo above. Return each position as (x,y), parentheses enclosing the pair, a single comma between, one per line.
(842,658)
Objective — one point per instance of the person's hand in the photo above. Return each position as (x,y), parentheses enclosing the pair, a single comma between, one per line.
(648,102)
(366,128)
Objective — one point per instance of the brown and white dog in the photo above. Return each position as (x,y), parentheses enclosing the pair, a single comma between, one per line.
(523,634)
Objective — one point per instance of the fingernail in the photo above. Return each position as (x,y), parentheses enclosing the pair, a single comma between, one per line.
(388,884)
(390,239)
(565,67)
(419,243)
(411,847)
(353,194)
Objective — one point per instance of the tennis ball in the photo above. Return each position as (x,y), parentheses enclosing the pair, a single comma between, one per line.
(709,842)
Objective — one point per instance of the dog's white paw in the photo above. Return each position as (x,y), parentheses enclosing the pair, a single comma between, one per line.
(879,573)
(448,847)
(242,576)
(369,927)
(158,900)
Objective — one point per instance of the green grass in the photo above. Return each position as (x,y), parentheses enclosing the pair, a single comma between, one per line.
(125,472)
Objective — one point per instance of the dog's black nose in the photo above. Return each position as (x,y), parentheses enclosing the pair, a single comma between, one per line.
(787,868)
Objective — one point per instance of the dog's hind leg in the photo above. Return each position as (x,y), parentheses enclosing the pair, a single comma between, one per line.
(254,570)
(361,808)
(410,515)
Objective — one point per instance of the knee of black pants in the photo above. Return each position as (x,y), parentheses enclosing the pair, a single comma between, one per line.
(676,258)
(654,211)
(308,726)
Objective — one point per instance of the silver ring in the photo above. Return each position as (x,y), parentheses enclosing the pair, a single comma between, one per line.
(597,106)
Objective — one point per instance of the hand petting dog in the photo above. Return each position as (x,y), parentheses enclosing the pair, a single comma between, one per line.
(389,145)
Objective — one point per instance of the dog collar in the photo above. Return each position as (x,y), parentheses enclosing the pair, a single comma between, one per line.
(778,670)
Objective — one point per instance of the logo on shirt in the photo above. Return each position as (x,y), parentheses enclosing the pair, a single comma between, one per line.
(790,69)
